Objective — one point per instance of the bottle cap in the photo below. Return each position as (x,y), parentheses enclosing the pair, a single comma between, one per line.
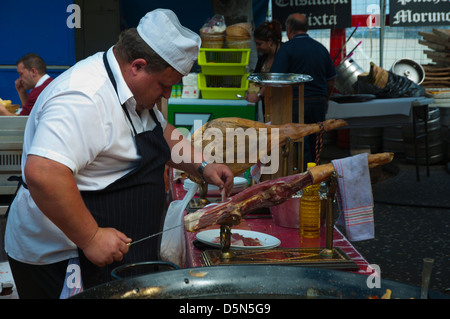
(310,164)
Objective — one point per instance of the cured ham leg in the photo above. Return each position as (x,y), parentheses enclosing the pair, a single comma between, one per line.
(266,194)
(289,131)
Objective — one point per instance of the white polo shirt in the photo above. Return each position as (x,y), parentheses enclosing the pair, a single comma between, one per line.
(77,121)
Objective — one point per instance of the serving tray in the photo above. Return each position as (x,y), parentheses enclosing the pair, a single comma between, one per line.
(279,79)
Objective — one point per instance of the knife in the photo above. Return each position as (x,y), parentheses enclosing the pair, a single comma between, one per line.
(153,235)
(192,190)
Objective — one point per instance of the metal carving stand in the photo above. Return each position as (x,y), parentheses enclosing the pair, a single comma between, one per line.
(278,104)
(225,242)
(329,217)
(225,234)
(202,201)
(320,257)
(285,154)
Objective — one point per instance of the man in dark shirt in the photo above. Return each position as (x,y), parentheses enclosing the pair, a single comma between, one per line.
(304,55)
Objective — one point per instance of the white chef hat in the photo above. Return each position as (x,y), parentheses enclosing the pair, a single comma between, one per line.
(177,45)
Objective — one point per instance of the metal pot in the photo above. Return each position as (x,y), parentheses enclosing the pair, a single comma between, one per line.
(410,69)
(250,281)
(287,214)
(347,76)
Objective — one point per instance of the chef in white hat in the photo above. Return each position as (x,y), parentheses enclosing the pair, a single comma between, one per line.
(94,154)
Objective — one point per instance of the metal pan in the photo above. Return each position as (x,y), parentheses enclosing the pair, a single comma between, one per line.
(255,281)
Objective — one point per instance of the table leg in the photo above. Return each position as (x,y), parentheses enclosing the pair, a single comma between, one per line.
(423,114)
(416,152)
(425,119)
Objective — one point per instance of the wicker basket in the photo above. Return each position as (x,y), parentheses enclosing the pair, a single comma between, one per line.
(238,36)
(212,40)
(238,43)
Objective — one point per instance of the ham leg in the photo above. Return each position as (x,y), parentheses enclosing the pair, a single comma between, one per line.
(266,194)
(289,131)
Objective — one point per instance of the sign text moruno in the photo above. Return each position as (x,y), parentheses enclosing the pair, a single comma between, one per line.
(419,12)
(321,14)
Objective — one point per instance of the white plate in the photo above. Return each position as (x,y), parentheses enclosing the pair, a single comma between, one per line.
(267,241)
(240,184)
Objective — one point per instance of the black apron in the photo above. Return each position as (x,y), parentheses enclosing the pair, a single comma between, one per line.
(134,203)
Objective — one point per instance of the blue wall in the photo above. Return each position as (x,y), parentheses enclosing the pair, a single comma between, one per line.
(33,26)
(39,26)
(191,13)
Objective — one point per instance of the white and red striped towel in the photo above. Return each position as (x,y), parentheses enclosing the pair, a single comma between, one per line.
(354,197)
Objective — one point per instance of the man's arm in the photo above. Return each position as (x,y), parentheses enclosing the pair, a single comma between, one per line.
(54,190)
(216,174)
(4,111)
(330,87)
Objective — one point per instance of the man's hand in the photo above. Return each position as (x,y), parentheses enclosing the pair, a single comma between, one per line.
(19,85)
(107,245)
(252,97)
(23,95)
(219,175)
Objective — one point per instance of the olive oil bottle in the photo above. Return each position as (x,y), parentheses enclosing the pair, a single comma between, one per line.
(310,205)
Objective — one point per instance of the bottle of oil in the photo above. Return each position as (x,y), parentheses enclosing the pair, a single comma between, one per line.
(310,204)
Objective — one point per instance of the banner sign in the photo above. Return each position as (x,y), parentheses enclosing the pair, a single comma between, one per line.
(321,14)
(404,13)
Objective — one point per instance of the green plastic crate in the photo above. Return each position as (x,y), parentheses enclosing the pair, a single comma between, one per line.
(222,87)
(223,61)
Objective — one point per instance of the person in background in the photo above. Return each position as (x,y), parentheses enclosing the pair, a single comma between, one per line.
(94,154)
(304,55)
(268,40)
(32,76)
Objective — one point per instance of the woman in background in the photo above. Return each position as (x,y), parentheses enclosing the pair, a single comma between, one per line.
(268,40)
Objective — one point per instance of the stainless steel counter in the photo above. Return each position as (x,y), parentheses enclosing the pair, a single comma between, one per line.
(11,141)
(377,112)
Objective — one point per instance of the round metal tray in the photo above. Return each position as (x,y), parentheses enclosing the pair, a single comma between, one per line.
(251,281)
(279,79)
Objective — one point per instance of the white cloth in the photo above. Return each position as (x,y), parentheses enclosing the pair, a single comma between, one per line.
(73,283)
(42,80)
(173,241)
(77,121)
(177,45)
(354,197)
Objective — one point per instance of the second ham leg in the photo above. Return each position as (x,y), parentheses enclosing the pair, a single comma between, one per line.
(266,194)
